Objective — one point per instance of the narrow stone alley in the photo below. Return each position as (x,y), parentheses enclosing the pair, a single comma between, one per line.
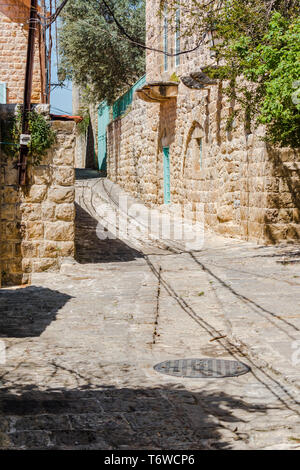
(81,345)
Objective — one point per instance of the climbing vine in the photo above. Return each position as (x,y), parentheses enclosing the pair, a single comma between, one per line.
(256,50)
(42,136)
(83,125)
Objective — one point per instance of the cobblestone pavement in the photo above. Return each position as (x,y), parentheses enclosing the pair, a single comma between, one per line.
(81,344)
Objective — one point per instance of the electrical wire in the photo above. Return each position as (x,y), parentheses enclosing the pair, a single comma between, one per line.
(142,45)
(56,37)
(49,20)
(53,16)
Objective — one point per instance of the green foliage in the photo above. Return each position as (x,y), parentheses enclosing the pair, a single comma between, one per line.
(82,126)
(174,77)
(94,53)
(257,53)
(273,65)
(42,136)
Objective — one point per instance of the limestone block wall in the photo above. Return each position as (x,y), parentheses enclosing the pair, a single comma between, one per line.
(247,189)
(14,16)
(10,226)
(86,151)
(131,153)
(37,225)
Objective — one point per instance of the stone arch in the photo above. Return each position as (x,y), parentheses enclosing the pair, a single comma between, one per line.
(196,131)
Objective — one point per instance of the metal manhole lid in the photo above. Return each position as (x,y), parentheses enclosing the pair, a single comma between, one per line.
(202,368)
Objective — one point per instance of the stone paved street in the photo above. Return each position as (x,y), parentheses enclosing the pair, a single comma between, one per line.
(81,344)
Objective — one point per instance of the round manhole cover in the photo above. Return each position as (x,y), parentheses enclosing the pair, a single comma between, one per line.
(202,368)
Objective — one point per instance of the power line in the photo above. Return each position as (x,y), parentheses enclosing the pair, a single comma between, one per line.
(50,19)
(143,45)
(53,17)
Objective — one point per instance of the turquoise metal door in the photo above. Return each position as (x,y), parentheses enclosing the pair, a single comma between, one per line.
(2,93)
(167,192)
(103,121)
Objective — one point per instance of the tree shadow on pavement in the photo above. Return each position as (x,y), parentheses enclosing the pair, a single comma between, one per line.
(111,418)
(27,312)
(90,248)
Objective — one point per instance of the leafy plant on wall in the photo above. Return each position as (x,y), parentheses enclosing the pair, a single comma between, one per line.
(256,47)
(42,136)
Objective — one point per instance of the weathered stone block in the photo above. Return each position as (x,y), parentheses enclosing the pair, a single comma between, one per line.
(293,232)
(27,265)
(275,232)
(61,194)
(15,266)
(48,249)
(66,249)
(34,230)
(271,215)
(64,156)
(41,175)
(41,265)
(6,250)
(29,249)
(296,216)
(285,216)
(59,231)
(65,212)
(11,176)
(8,212)
(36,193)
(31,211)
(225,214)
(10,195)
(48,211)
(64,176)
(12,230)
(255,230)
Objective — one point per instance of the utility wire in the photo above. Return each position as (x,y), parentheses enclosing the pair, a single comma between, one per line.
(143,45)
(50,19)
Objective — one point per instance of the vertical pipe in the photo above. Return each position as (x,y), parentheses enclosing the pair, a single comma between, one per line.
(27,89)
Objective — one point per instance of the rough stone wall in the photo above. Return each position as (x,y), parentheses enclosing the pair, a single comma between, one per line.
(13,50)
(80,146)
(132,148)
(247,190)
(86,150)
(37,225)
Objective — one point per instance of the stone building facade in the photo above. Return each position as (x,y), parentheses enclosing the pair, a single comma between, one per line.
(248,190)
(37,223)
(14,17)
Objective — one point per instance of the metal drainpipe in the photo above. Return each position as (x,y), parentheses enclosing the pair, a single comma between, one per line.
(27,90)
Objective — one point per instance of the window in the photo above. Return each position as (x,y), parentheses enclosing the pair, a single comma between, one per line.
(2,93)
(166,31)
(177,37)
(199,150)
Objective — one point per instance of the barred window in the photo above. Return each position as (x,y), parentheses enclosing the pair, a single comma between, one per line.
(177,37)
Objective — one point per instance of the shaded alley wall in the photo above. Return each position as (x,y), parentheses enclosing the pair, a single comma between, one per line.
(37,225)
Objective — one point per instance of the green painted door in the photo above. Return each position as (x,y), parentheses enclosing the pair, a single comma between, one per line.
(167,192)
(103,121)
(2,93)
